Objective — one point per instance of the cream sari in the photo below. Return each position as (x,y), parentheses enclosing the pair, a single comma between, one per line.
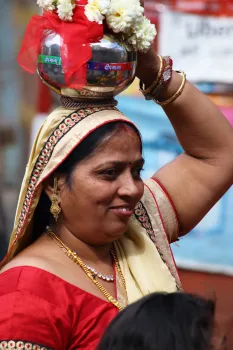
(144,251)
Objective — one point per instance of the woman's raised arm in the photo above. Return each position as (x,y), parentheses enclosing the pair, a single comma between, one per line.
(198,178)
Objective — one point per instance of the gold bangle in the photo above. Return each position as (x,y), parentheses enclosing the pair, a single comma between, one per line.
(150,88)
(177,94)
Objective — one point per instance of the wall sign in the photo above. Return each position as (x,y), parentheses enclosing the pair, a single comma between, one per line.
(199,45)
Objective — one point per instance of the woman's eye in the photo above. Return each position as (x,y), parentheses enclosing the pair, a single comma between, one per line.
(110,172)
(113,173)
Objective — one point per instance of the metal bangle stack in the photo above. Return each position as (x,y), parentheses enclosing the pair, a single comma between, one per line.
(163,78)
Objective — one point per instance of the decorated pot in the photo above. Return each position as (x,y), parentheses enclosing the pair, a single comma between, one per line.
(110,70)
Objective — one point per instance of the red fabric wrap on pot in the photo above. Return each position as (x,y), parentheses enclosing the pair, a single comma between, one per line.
(76,37)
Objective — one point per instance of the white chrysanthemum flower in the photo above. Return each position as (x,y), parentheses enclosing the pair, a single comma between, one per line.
(143,36)
(103,5)
(47,5)
(96,9)
(124,14)
(119,18)
(65,10)
(139,13)
(93,14)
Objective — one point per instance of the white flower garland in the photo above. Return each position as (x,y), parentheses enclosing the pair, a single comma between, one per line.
(64,8)
(143,35)
(47,5)
(96,9)
(124,17)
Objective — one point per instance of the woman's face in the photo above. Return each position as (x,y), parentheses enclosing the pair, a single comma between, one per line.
(104,191)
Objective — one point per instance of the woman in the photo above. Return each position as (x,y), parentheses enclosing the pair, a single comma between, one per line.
(187,322)
(89,236)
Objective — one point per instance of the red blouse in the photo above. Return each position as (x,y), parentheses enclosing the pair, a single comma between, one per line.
(39,310)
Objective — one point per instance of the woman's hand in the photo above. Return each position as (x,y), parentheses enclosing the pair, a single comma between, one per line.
(148,66)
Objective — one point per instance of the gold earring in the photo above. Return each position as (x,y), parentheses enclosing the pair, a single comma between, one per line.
(55,209)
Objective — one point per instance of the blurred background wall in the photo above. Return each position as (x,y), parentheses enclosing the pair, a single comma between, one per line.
(205,257)
(17,105)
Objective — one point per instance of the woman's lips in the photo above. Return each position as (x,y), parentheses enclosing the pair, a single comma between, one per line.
(122,211)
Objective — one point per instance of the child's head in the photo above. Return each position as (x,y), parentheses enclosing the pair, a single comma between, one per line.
(163,322)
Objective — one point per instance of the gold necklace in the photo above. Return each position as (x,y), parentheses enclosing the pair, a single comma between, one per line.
(76,259)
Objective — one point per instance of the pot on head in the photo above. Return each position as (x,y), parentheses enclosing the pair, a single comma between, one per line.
(109,72)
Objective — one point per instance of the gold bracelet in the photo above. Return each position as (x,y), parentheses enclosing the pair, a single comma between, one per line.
(176,95)
(150,88)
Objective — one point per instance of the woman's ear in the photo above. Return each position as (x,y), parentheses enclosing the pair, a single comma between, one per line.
(52,186)
(48,186)
(52,190)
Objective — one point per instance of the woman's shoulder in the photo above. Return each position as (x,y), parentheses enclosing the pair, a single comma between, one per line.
(31,280)
(36,269)
(36,276)
(41,278)
(24,261)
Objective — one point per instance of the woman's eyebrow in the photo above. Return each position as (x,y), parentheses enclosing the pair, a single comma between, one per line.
(139,161)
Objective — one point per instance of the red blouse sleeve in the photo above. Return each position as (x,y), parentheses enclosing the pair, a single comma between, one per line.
(27,320)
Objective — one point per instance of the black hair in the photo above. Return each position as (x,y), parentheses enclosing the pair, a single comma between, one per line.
(175,321)
(84,150)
